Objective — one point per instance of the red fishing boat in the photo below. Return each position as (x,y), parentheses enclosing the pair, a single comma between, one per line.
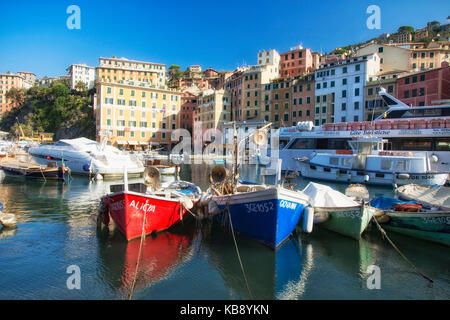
(159,210)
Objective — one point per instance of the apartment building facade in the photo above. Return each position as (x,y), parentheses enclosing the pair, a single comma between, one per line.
(298,61)
(214,110)
(430,87)
(81,73)
(339,89)
(136,117)
(29,79)
(7,82)
(423,57)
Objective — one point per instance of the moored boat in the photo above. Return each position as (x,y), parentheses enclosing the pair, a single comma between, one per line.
(413,219)
(268,214)
(23,169)
(367,163)
(160,207)
(337,212)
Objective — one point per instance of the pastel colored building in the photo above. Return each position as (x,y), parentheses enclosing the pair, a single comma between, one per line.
(430,87)
(122,69)
(424,57)
(213,111)
(29,79)
(392,58)
(298,61)
(7,82)
(81,73)
(339,89)
(136,117)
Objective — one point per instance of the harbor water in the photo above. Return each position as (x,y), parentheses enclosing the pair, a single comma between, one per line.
(57,234)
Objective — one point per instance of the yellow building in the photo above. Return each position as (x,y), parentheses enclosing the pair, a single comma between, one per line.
(214,110)
(136,117)
(119,70)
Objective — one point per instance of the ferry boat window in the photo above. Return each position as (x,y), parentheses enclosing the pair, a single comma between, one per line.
(417,144)
(338,144)
(402,165)
(322,144)
(334,161)
(442,144)
(346,162)
(386,164)
(302,143)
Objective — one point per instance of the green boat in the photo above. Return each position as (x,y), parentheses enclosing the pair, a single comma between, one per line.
(337,212)
(348,221)
(428,224)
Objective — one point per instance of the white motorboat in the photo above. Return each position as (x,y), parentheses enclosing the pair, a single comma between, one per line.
(88,157)
(367,162)
(422,130)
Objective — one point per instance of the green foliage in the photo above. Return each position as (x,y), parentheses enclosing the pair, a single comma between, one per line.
(405,29)
(49,109)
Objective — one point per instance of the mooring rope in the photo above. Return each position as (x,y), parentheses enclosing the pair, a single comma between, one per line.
(238,254)
(383,232)
(139,258)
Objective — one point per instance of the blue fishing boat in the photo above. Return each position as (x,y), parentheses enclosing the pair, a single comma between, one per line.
(268,214)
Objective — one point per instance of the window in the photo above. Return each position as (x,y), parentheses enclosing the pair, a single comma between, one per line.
(422,77)
(357,79)
(370,91)
(332,84)
(356,92)
(344,106)
(356,105)
(406,94)
(344,81)
(344,70)
(358,67)
(344,93)
(380,49)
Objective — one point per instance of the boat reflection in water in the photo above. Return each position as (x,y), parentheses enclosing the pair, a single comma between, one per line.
(280,274)
(161,255)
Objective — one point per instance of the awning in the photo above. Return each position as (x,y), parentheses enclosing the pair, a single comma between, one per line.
(121,142)
(143,143)
(133,143)
(154,143)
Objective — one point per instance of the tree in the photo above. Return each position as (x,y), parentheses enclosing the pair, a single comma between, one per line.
(80,86)
(405,29)
(16,96)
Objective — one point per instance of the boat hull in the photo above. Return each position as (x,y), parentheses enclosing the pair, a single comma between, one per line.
(433,227)
(268,216)
(350,222)
(127,210)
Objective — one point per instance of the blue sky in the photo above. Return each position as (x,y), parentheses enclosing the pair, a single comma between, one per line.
(218,34)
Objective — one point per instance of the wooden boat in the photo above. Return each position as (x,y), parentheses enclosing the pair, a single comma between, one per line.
(419,221)
(161,206)
(437,197)
(17,168)
(337,212)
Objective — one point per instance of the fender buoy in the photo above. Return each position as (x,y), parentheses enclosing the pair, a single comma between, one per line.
(408,207)
(308,219)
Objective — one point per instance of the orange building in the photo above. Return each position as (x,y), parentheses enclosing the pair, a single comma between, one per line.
(7,82)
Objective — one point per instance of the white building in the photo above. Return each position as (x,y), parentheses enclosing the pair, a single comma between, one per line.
(83,73)
(340,88)
(268,57)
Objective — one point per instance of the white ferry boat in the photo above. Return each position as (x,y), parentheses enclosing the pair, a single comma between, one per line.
(424,131)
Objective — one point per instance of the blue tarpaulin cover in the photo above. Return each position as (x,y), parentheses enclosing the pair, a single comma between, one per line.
(386,203)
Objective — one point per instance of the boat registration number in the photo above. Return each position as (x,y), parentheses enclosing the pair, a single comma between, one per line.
(263,207)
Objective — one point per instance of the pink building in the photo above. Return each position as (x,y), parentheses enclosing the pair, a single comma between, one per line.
(298,61)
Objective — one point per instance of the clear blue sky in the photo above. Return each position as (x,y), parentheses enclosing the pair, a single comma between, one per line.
(217,34)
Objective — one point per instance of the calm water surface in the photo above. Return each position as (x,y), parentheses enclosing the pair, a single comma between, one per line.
(195,260)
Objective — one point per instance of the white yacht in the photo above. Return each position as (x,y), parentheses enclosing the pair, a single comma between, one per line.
(88,157)
(424,131)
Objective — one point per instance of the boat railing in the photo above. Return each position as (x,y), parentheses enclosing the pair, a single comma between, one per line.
(389,124)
